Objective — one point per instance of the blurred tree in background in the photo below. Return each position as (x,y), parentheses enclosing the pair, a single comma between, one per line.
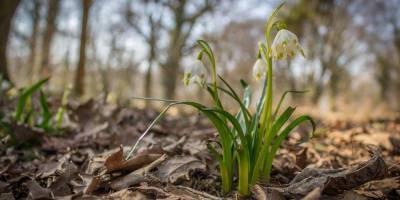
(7,10)
(139,48)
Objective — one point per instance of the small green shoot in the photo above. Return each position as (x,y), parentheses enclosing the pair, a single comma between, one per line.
(61,110)
(24,98)
(25,112)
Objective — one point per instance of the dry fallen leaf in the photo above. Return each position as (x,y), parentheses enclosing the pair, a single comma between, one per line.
(178,168)
(126,194)
(137,176)
(335,181)
(315,194)
(379,188)
(116,161)
(38,192)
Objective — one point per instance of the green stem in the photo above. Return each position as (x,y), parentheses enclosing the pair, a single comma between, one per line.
(265,120)
(244,169)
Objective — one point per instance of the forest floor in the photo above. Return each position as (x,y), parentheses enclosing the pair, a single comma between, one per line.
(342,161)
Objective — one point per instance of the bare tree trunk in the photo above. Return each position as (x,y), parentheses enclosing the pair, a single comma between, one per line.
(179,35)
(80,72)
(334,89)
(318,88)
(7,10)
(33,39)
(147,83)
(169,76)
(52,13)
(66,70)
(148,78)
(384,79)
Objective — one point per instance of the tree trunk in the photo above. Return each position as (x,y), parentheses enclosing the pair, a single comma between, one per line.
(169,76)
(80,72)
(33,39)
(171,67)
(7,10)
(52,13)
(148,78)
(334,89)
(147,83)
(318,88)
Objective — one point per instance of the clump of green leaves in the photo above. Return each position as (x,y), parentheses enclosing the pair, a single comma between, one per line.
(249,140)
(24,111)
(41,117)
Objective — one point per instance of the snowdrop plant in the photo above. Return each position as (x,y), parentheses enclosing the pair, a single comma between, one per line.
(249,140)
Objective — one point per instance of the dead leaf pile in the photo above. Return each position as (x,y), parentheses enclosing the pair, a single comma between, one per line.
(172,162)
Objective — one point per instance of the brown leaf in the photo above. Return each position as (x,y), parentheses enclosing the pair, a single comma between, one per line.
(154,191)
(126,194)
(116,161)
(38,192)
(92,131)
(269,193)
(187,193)
(178,168)
(3,186)
(7,196)
(92,185)
(137,176)
(49,169)
(315,194)
(60,186)
(25,134)
(259,193)
(351,195)
(337,180)
(378,139)
(301,158)
(380,187)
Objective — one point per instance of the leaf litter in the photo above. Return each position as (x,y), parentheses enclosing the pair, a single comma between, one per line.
(343,161)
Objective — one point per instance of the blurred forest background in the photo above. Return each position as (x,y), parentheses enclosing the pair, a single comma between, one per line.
(123,48)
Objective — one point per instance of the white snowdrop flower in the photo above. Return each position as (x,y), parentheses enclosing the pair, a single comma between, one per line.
(286,44)
(259,69)
(197,74)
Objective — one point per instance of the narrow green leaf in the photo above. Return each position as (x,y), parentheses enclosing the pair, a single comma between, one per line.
(46,115)
(283,98)
(26,93)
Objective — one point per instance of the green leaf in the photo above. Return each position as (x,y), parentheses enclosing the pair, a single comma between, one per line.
(290,127)
(282,136)
(283,98)
(215,153)
(279,123)
(235,124)
(246,113)
(23,98)
(46,115)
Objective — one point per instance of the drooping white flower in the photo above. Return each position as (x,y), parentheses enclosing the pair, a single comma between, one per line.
(286,44)
(259,69)
(197,74)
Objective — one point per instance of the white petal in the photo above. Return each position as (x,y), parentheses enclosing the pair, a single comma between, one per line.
(259,69)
